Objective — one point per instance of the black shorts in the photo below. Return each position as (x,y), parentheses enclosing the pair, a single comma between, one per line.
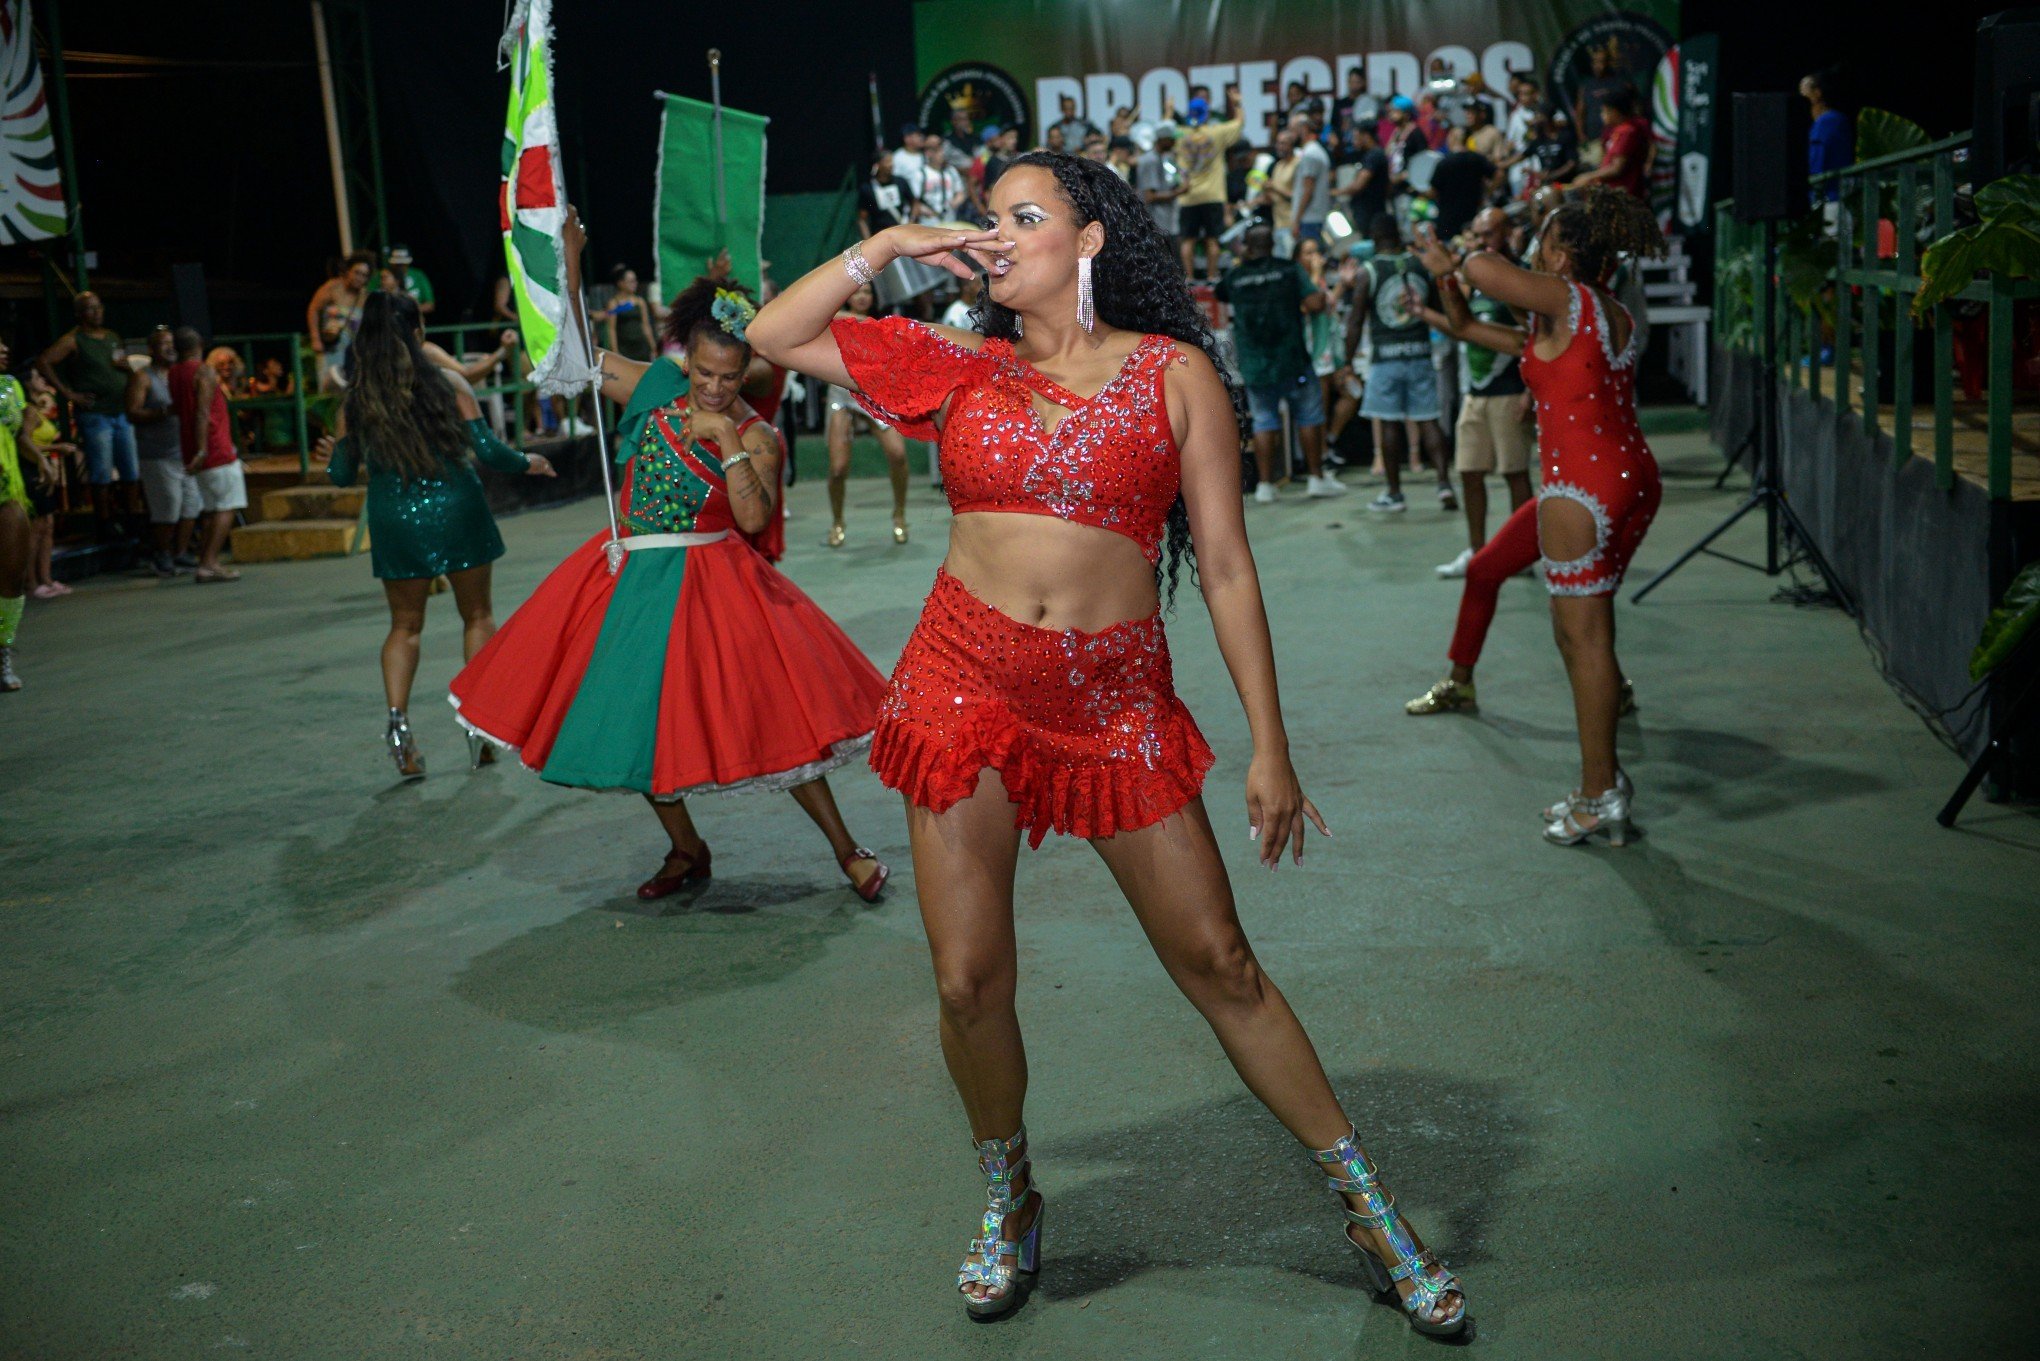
(1200,221)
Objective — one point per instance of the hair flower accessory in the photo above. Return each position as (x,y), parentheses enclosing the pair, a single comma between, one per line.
(732,311)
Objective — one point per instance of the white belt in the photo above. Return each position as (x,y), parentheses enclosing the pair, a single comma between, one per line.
(637,543)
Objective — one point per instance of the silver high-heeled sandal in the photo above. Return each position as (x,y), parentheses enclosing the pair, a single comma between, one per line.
(1002,1161)
(404,751)
(1611,821)
(1574,799)
(1348,1172)
(480,753)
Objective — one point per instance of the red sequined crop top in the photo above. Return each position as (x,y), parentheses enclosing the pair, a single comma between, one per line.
(1111,461)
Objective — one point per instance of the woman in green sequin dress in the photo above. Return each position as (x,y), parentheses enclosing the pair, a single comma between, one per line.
(415,428)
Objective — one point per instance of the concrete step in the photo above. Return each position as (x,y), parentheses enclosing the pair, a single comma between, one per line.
(312,502)
(289,540)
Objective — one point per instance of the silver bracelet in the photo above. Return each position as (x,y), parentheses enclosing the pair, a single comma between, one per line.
(734,459)
(858,267)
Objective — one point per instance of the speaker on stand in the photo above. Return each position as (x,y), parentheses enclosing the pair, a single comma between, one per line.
(1770,137)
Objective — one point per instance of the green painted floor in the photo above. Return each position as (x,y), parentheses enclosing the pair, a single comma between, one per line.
(295,1063)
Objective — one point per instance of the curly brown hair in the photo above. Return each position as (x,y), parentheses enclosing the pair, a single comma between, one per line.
(692,312)
(1601,223)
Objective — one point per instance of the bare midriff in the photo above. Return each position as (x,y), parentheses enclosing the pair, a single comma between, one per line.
(1051,573)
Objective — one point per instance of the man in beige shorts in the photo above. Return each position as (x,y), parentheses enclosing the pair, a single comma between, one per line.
(1494,432)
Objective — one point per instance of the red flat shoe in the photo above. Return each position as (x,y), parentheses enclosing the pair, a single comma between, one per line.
(665,885)
(872,887)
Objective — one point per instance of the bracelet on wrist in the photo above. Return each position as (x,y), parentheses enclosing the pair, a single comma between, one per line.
(741,456)
(859,268)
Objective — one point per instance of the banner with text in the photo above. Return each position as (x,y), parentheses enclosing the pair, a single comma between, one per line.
(1014,64)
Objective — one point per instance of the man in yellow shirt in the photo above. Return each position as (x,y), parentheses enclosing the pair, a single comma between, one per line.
(1200,152)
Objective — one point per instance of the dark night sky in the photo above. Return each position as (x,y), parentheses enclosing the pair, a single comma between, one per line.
(227,164)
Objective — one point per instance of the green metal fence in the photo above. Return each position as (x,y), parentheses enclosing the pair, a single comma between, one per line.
(1852,269)
(304,403)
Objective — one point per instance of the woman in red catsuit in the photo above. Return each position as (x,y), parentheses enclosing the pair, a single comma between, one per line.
(1085,432)
(1600,485)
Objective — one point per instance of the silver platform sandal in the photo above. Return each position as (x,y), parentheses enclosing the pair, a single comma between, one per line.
(1348,1172)
(1611,821)
(1570,801)
(1000,1262)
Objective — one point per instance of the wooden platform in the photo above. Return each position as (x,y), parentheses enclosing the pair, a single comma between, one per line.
(1972,436)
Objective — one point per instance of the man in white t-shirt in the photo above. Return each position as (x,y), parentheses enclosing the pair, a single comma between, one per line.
(907,161)
(938,187)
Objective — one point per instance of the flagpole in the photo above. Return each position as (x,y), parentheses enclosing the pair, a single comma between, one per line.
(615,548)
(877,122)
(722,203)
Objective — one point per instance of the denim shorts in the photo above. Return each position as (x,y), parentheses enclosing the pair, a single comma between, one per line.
(109,444)
(1306,398)
(1401,390)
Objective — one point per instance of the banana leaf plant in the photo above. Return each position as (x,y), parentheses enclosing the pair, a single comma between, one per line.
(2008,624)
(2005,243)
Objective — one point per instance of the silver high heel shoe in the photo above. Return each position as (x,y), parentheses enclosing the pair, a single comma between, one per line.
(404,751)
(480,753)
(1611,820)
(1002,1161)
(1572,800)
(1348,1172)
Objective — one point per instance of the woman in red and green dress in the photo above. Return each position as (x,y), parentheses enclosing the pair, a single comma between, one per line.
(693,667)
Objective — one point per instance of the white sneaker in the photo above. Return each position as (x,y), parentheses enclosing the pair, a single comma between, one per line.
(1456,567)
(1264,494)
(1326,486)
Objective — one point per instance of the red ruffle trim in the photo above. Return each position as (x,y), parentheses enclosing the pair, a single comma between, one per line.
(1052,793)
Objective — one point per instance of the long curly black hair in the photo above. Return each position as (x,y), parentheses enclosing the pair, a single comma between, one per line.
(692,313)
(1138,285)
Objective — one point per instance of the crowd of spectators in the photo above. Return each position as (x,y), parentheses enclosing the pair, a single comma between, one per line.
(1297,234)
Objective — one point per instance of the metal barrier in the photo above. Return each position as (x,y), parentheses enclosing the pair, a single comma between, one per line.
(300,361)
(1837,268)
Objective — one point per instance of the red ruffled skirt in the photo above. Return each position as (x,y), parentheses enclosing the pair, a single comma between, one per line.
(1085,729)
(691,670)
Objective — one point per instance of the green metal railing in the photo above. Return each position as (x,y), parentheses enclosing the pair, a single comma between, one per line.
(1867,291)
(303,401)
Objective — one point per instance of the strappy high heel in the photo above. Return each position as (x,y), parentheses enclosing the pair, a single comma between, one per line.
(1611,821)
(698,870)
(1574,799)
(403,750)
(874,883)
(1348,1172)
(480,753)
(1003,1161)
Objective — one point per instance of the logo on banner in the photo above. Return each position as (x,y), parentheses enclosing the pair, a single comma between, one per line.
(982,92)
(1629,46)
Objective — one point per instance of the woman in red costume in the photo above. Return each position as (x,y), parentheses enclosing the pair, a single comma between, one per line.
(1089,429)
(691,667)
(1600,486)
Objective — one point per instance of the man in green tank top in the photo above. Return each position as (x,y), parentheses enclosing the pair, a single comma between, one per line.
(88,365)
(1401,385)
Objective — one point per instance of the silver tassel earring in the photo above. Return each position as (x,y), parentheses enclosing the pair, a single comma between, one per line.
(1087,311)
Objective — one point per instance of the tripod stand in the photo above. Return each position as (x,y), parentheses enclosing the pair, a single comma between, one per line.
(1766,489)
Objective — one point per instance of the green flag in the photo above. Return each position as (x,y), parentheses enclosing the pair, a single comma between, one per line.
(692,220)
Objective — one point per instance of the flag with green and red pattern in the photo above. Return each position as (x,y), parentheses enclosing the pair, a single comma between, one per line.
(533,207)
